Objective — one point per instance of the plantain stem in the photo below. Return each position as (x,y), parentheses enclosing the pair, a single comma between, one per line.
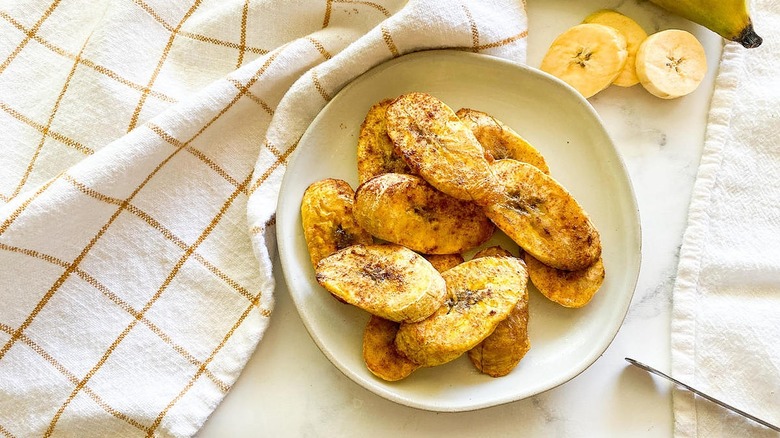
(749,38)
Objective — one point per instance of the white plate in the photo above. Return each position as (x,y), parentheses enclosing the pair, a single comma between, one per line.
(568,132)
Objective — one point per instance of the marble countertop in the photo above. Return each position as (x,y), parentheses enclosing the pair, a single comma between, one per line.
(289,388)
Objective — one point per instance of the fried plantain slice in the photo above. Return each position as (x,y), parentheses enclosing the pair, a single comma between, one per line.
(389,281)
(375,151)
(328,222)
(567,288)
(501,141)
(498,354)
(442,262)
(406,210)
(543,218)
(440,148)
(482,292)
(495,251)
(379,352)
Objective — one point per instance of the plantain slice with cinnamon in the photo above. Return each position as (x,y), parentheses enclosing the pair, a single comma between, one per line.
(389,281)
(442,262)
(482,292)
(543,218)
(498,354)
(438,146)
(406,210)
(379,352)
(375,151)
(327,219)
(499,140)
(568,288)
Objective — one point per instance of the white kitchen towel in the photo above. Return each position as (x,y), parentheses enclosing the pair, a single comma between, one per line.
(141,151)
(726,311)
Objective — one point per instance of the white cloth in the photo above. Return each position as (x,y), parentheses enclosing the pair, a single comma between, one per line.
(726,311)
(141,150)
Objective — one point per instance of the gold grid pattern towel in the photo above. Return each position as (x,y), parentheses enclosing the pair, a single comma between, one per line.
(141,150)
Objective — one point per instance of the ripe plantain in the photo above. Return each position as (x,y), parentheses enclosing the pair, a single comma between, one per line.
(498,354)
(587,56)
(375,150)
(482,292)
(327,218)
(439,147)
(568,288)
(379,352)
(501,141)
(543,218)
(728,18)
(389,281)
(406,210)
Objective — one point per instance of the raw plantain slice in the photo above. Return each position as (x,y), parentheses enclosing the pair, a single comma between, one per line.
(671,63)
(379,352)
(501,141)
(587,56)
(567,288)
(389,281)
(498,354)
(375,150)
(482,293)
(406,210)
(442,262)
(634,35)
(543,218)
(328,223)
(440,148)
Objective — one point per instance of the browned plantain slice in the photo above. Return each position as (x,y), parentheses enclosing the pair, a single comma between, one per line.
(495,251)
(375,150)
(500,352)
(440,148)
(328,223)
(482,293)
(380,354)
(543,218)
(442,262)
(567,288)
(406,210)
(501,141)
(389,281)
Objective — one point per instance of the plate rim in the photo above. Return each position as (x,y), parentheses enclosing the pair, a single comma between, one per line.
(635,220)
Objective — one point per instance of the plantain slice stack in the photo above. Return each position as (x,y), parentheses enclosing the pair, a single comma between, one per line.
(543,218)
(328,222)
(406,210)
(375,151)
(436,145)
(482,292)
(498,354)
(501,141)
(435,184)
(389,281)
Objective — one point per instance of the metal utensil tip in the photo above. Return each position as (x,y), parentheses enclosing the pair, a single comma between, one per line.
(702,394)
